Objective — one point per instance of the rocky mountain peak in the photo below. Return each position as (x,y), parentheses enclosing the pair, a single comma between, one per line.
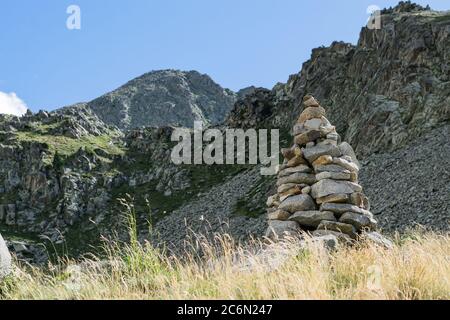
(165,97)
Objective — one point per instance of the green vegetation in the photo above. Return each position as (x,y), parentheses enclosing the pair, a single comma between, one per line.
(66,147)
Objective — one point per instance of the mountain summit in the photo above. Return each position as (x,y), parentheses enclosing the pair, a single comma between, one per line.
(166,97)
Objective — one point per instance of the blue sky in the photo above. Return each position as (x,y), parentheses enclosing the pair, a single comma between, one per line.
(238,43)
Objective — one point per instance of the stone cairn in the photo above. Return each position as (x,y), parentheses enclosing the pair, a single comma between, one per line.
(318,190)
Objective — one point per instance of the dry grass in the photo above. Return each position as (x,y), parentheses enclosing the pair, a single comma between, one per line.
(416,268)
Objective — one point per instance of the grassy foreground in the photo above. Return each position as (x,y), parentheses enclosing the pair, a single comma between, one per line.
(417,268)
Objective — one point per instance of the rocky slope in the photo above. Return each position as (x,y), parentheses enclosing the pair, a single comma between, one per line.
(166,97)
(388,96)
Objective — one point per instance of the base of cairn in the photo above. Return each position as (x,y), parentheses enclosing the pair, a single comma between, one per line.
(317,186)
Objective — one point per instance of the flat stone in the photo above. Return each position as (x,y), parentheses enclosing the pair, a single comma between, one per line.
(341,208)
(342,237)
(280,229)
(312,154)
(349,165)
(327,141)
(310,144)
(378,239)
(330,168)
(286,187)
(278,215)
(359,221)
(310,113)
(288,171)
(323,160)
(295,161)
(333,176)
(327,187)
(309,136)
(298,178)
(312,218)
(347,150)
(291,192)
(302,202)
(333,198)
(347,229)
(5,259)
(313,124)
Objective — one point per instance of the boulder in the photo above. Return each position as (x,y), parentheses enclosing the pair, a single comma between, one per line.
(280,229)
(312,154)
(328,187)
(302,202)
(5,259)
(347,229)
(312,218)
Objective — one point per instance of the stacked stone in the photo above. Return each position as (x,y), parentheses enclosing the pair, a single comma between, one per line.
(318,190)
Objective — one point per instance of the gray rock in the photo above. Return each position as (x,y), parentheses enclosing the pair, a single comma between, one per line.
(315,152)
(288,171)
(347,150)
(333,176)
(312,218)
(359,221)
(378,239)
(327,187)
(331,168)
(341,208)
(329,241)
(298,178)
(342,237)
(347,229)
(280,229)
(5,259)
(347,164)
(278,214)
(302,202)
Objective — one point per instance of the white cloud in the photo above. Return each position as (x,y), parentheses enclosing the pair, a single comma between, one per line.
(10,103)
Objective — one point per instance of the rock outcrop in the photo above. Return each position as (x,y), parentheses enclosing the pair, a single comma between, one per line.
(318,189)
